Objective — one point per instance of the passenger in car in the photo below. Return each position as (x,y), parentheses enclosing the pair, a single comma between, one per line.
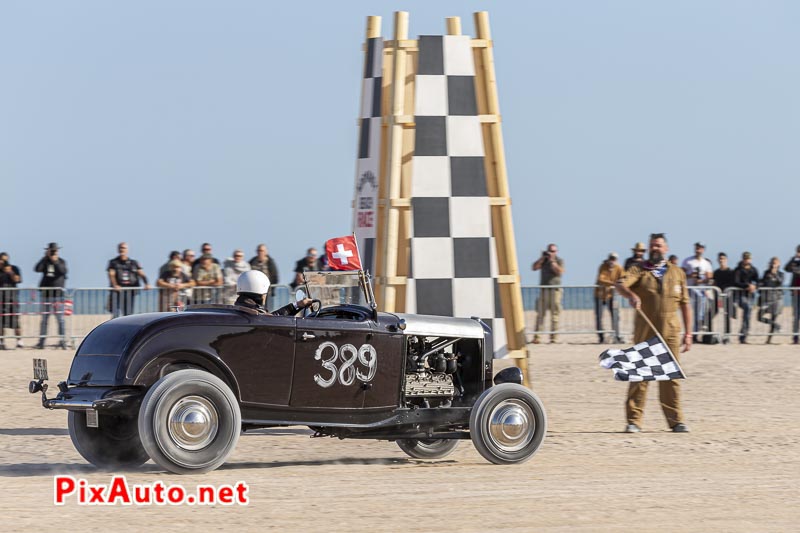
(252,288)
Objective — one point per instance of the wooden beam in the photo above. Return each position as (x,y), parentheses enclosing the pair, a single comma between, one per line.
(391,238)
(380,225)
(497,185)
(453,25)
(373,27)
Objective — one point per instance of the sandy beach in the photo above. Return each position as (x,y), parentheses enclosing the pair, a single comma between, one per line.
(738,470)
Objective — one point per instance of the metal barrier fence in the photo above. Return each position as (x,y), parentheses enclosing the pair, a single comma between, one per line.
(767,312)
(717,316)
(27,312)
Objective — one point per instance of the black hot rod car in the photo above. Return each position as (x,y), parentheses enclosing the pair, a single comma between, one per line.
(180,387)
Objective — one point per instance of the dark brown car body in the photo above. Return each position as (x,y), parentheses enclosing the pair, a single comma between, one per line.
(270,364)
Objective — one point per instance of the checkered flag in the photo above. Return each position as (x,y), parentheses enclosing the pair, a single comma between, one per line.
(647,361)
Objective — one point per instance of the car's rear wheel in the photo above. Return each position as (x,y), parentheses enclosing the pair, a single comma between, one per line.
(428,448)
(508,424)
(189,422)
(112,445)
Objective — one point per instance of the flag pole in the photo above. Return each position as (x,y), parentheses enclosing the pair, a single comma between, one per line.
(363,277)
(658,334)
(358,252)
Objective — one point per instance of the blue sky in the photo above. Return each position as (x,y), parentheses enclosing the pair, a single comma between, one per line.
(166,124)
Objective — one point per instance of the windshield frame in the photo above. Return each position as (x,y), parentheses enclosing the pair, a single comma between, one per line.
(364,282)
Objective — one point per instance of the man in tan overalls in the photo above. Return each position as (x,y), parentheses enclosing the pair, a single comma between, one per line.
(658,288)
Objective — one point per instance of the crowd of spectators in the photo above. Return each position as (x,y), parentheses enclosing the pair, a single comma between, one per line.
(188,278)
(184,278)
(753,290)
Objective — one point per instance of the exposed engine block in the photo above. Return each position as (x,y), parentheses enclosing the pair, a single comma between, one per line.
(429,384)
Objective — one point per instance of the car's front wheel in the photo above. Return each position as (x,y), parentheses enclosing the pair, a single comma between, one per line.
(427,448)
(507,424)
(189,422)
(113,444)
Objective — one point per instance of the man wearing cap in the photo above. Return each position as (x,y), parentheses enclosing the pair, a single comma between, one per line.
(637,257)
(699,272)
(793,267)
(51,293)
(658,288)
(608,274)
(745,277)
(167,267)
(174,285)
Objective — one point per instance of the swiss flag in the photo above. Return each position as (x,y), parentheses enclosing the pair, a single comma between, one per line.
(342,253)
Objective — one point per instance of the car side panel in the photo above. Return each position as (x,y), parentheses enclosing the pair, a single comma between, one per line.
(325,370)
(385,386)
(262,358)
(259,356)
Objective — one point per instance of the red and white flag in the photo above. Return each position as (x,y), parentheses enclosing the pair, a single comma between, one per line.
(342,253)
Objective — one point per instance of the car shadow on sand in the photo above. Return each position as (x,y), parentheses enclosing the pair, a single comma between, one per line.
(17,432)
(319,462)
(53,469)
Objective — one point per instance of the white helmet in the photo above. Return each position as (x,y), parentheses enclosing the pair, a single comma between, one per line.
(252,281)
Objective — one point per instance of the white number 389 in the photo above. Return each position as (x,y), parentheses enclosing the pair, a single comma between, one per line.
(347,373)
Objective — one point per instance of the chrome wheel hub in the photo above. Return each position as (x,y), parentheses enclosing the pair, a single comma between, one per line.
(193,423)
(511,425)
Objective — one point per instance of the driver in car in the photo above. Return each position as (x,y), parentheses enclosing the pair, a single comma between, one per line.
(252,288)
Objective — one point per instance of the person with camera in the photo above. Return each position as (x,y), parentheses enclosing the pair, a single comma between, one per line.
(793,268)
(51,292)
(552,267)
(125,276)
(608,274)
(771,297)
(745,277)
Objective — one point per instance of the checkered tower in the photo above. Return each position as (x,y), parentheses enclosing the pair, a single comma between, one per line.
(436,231)
(365,199)
(453,269)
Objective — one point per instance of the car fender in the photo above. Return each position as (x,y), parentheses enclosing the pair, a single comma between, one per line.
(168,362)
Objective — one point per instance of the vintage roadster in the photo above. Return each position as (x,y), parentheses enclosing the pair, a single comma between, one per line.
(179,388)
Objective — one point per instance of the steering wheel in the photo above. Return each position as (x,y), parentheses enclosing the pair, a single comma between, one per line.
(315,306)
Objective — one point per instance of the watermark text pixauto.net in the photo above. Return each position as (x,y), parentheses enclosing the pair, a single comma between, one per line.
(119,492)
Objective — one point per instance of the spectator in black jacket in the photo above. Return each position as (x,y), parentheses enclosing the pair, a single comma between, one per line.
(771,297)
(746,278)
(793,267)
(124,275)
(51,293)
(724,279)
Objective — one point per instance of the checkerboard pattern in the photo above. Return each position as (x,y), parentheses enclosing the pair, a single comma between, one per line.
(647,361)
(365,201)
(453,269)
